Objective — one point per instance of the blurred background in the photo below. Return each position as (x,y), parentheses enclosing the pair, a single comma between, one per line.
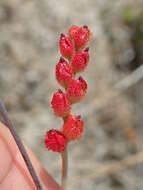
(110,154)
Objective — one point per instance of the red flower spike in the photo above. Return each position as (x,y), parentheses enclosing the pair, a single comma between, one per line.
(71,48)
(64,72)
(66,46)
(76,90)
(73,128)
(80,61)
(60,104)
(86,49)
(55,140)
(81,37)
(73,29)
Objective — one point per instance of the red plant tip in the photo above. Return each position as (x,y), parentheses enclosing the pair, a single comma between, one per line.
(85,26)
(78,117)
(64,73)
(73,128)
(66,46)
(80,61)
(86,49)
(55,140)
(60,104)
(72,30)
(81,37)
(62,35)
(60,91)
(83,82)
(61,59)
(80,78)
(76,90)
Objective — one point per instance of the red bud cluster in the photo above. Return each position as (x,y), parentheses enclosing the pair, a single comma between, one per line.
(73,127)
(81,36)
(76,90)
(55,140)
(76,60)
(80,61)
(66,46)
(60,104)
(64,73)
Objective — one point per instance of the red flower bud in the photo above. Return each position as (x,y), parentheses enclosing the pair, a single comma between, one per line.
(63,72)
(76,90)
(81,37)
(73,29)
(80,61)
(66,46)
(73,127)
(55,140)
(60,104)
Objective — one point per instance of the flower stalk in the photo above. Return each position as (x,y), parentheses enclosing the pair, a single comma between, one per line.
(64,156)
